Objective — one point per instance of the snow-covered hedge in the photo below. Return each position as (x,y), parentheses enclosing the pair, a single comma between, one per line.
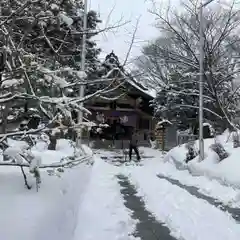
(225,171)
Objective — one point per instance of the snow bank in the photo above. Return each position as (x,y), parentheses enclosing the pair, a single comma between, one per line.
(160,198)
(227,195)
(49,213)
(102,214)
(157,165)
(226,171)
(61,213)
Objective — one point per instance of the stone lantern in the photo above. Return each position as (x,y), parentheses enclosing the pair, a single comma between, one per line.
(160,133)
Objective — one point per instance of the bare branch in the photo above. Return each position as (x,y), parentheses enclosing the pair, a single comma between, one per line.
(131,42)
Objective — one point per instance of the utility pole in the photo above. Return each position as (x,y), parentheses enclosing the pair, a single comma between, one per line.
(201,74)
(83,60)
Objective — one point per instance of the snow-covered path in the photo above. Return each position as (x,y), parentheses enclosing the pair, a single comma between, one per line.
(142,202)
(102,213)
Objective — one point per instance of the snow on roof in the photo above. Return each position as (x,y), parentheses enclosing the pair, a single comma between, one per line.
(206,124)
(150,92)
(127,76)
(164,121)
(129,79)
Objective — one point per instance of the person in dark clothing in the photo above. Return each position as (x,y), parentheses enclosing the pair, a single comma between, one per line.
(133,145)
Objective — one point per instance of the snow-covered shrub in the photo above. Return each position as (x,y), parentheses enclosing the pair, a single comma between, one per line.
(22,156)
(19,153)
(191,153)
(236,139)
(219,150)
(13,154)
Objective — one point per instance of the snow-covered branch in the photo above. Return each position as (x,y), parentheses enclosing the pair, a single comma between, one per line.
(171,63)
(53,165)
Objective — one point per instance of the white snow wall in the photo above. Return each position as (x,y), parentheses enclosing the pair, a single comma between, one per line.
(61,219)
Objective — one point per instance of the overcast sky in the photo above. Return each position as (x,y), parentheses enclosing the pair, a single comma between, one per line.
(130,10)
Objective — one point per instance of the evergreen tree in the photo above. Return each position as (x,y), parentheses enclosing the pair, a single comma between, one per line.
(45,37)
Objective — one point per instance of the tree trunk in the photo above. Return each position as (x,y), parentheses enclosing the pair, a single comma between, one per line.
(53,142)
(4,118)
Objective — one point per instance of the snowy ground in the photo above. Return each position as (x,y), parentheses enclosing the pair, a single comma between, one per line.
(185,215)
(50,213)
(103,215)
(124,201)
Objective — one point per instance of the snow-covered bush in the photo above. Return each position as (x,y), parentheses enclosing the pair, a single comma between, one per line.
(22,156)
(191,153)
(219,150)
(28,156)
(236,139)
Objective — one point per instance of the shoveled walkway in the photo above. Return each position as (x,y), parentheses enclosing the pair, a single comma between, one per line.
(235,212)
(148,228)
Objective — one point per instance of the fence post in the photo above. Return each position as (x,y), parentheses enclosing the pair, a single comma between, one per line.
(177,138)
(185,137)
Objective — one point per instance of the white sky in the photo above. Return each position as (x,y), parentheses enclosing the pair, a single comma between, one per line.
(130,10)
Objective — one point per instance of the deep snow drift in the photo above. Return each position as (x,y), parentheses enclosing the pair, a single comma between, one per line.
(50,213)
(225,171)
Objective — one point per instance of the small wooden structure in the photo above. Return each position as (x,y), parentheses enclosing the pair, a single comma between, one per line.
(124,109)
(161,133)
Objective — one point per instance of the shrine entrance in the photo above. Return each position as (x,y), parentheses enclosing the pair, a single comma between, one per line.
(116,129)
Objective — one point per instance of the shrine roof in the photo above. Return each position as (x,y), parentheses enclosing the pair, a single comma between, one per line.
(114,66)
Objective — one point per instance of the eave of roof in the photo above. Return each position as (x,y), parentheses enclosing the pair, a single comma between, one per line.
(151,93)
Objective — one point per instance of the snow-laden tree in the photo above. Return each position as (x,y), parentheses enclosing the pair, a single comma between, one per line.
(48,34)
(171,63)
(40,49)
(52,28)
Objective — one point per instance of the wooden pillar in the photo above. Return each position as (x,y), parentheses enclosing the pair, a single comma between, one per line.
(160,137)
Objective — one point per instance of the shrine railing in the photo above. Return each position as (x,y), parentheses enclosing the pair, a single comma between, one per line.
(183,137)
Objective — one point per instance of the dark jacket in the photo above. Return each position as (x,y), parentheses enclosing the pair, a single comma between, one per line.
(134,139)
